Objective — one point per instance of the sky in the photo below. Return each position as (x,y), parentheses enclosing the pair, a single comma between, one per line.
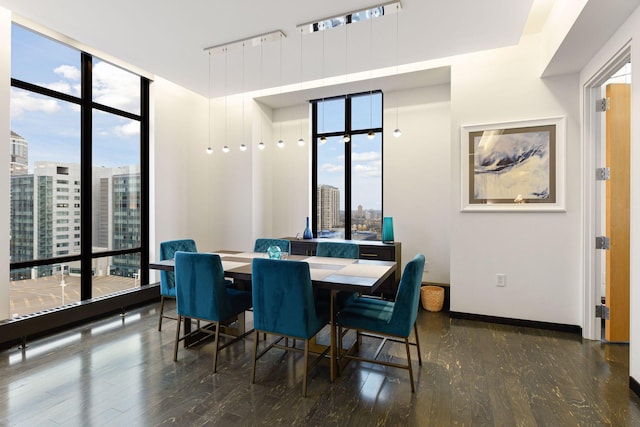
(51,126)
(366,155)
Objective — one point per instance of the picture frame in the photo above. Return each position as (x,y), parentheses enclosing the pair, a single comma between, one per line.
(514,166)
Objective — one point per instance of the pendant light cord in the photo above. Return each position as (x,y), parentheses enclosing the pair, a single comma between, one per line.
(209,147)
(225,97)
(397,129)
(242,98)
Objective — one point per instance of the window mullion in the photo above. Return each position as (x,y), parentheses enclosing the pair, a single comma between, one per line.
(347,170)
(86,154)
(314,171)
(144,176)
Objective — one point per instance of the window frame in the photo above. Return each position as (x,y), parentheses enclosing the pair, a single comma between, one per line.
(315,136)
(87,106)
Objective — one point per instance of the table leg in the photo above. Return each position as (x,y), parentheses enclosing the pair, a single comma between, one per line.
(333,351)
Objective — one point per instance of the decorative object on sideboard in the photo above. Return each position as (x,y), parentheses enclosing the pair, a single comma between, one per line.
(307,231)
(274,252)
(387,230)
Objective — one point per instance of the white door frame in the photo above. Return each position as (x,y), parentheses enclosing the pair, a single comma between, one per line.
(592,142)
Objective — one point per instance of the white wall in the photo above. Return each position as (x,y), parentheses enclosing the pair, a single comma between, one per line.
(628,32)
(178,143)
(417,166)
(290,171)
(262,170)
(539,252)
(5,76)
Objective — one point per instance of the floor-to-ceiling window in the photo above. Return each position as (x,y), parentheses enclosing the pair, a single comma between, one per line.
(79,186)
(347,166)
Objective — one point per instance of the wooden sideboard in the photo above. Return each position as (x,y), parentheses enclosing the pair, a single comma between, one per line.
(369,249)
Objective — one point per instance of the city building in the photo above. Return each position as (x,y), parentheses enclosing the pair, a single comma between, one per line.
(19,151)
(329,216)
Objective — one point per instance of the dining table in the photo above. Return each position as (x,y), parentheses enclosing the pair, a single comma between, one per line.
(335,274)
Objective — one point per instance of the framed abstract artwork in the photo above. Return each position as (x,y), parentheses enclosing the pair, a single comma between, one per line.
(514,166)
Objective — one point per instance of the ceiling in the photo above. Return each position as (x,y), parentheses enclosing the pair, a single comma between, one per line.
(167,38)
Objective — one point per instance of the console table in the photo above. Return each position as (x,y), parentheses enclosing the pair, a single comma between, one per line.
(369,249)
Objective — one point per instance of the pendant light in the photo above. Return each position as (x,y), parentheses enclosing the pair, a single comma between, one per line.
(225,148)
(280,142)
(209,148)
(371,134)
(261,143)
(323,139)
(301,139)
(243,146)
(346,138)
(397,132)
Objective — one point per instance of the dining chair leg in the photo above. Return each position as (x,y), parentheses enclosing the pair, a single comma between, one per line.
(415,329)
(306,367)
(216,344)
(175,346)
(255,353)
(161,313)
(406,344)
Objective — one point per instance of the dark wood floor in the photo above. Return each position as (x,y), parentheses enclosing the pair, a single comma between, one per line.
(120,372)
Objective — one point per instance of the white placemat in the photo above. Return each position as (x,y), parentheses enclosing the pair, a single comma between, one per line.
(230,265)
(319,273)
(329,260)
(363,270)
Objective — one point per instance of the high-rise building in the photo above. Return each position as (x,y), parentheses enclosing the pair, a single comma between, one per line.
(58,209)
(328,207)
(21,205)
(127,216)
(19,152)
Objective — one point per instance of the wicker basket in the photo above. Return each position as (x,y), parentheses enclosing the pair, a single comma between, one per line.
(432,297)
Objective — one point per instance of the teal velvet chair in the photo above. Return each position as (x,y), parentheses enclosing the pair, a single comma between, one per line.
(283,305)
(337,250)
(388,319)
(202,295)
(262,244)
(167,278)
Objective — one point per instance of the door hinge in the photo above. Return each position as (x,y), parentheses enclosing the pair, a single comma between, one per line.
(603,174)
(602,242)
(602,311)
(603,104)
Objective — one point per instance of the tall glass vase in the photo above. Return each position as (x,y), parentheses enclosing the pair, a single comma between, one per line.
(307,231)
(387,230)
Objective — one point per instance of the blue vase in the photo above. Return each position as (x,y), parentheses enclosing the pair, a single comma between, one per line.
(387,230)
(307,231)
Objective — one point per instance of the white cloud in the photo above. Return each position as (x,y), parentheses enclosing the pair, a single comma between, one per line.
(115,87)
(368,170)
(129,129)
(60,86)
(331,168)
(69,72)
(22,102)
(367,156)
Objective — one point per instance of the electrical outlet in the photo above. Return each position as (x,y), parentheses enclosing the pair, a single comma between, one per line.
(501,279)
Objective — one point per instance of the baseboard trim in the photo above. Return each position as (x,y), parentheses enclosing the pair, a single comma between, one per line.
(634,385)
(517,322)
